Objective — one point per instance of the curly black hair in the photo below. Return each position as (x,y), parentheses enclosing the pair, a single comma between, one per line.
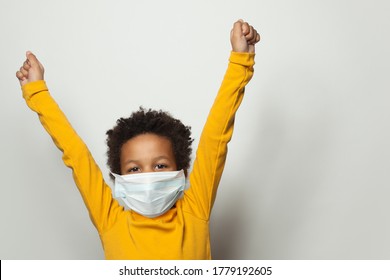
(149,121)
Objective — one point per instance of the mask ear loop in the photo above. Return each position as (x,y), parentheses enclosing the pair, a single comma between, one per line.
(187,184)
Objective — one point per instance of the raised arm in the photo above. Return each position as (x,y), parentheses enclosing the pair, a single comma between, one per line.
(217,132)
(87,175)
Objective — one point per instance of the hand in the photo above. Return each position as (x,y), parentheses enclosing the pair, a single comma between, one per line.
(31,70)
(243,37)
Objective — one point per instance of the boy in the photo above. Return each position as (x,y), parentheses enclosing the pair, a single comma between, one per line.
(149,155)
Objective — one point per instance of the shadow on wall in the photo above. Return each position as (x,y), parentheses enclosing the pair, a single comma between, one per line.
(290,155)
(226,230)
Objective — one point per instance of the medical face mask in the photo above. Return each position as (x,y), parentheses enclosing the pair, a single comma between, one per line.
(150,194)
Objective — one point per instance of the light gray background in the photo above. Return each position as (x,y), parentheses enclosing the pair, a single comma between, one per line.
(307,175)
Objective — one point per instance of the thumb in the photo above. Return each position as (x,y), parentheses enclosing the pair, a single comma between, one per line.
(237,28)
(32,59)
(36,71)
(237,37)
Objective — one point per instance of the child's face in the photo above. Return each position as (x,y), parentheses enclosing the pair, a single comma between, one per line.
(147,153)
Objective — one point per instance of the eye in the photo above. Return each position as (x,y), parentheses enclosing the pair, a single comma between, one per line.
(160,166)
(133,170)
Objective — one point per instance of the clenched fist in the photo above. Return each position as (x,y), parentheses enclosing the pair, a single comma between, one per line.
(31,70)
(243,37)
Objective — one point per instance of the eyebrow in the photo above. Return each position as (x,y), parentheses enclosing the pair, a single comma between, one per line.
(154,159)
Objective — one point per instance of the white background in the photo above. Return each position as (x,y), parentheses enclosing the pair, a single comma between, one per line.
(307,175)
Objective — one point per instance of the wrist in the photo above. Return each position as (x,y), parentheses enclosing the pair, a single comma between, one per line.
(242,58)
(34,87)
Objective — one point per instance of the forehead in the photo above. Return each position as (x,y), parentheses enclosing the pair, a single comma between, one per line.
(146,146)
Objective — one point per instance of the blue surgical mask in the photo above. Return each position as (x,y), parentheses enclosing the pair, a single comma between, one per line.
(150,194)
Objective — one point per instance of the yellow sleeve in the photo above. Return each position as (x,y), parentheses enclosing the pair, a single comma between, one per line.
(96,194)
(217,132)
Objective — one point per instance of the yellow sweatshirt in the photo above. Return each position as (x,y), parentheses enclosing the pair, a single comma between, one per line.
(182,232)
